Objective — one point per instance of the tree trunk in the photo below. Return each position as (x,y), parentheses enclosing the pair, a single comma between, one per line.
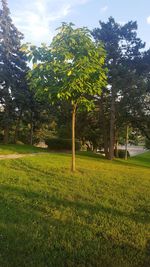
(116,149)
(31,129)
(17,127)
(104,127)
(73,167)
(126,142)
(106,146)
(6,125)
(116,143)
(6,135)
(112,126)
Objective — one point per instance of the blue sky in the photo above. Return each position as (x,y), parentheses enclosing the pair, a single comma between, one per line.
(38,19)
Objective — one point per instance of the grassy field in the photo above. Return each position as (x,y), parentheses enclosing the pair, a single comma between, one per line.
(141,160)
(97,217)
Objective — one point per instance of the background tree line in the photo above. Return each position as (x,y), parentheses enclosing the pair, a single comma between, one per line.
(111,110)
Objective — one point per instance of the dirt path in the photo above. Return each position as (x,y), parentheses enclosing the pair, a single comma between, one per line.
(17,156)
(134,150)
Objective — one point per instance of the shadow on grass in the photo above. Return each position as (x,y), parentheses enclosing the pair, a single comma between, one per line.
(79,154)
(133,163)
(90,155)
(42,230)
(141,214)
(139,161)
(142,160)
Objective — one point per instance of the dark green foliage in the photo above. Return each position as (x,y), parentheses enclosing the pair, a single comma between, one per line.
(121,153)
(21,115)
(123,49)
(12,70)
(89,130)
(61,144)
(147,143)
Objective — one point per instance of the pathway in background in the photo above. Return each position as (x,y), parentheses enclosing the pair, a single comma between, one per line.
(134,150)
(16,156)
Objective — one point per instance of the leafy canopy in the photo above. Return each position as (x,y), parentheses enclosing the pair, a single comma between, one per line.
(71,68)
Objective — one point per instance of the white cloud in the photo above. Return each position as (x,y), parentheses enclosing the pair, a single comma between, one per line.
(104,9)
(148,20)
(34,18)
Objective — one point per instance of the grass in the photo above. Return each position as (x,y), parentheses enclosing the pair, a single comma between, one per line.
(19,149)
(97,217)
(141,160)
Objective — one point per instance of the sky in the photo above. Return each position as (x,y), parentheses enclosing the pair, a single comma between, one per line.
(38,19)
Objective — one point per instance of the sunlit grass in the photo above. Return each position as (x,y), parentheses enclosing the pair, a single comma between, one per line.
(19,149)
(98,216)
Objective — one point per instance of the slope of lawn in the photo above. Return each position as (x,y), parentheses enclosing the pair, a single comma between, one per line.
(19,149)
(141,160)
(99,216)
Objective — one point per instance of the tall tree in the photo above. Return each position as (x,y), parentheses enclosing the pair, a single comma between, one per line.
(71,70)
(122,46)
(12,67)
(134,105)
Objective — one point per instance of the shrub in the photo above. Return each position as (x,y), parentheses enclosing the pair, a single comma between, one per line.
(147,143)
(61,144)
(121,153)
(1,137)
(19,143)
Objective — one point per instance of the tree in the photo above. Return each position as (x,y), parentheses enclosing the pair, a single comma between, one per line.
(134,105)
(140,98)
(71,70)
(122,46)
(12,67)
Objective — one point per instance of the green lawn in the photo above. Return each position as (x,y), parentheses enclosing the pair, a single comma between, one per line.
(97,217)
(19,149)
(141,160)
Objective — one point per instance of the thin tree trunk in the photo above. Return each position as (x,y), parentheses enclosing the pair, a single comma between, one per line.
(6,126)
(73,167)
(104,128)
(116,143)
(106,146)
(116,149)
(112,126)
(31,129)
(126,142)
(17,127)
(6,135)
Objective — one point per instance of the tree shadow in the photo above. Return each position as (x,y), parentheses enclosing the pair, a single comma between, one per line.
(89,154)
(141,214)
(42,230)
(130,163)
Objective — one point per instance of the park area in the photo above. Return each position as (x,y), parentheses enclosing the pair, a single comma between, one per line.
(97,216)
(74,133)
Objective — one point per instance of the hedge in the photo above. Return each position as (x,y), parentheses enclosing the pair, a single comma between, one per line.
(121,153)
(61,144)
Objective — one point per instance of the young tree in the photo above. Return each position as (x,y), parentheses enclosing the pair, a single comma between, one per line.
(71,69)
(12,67)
